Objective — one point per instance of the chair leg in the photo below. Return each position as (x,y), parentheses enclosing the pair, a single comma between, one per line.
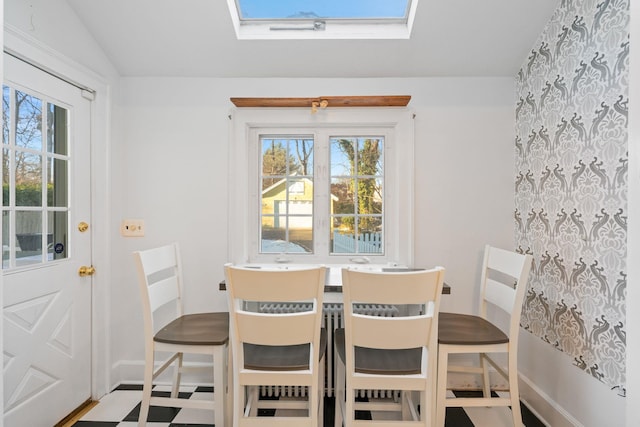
(486,381)
(514,392)
(238,401)
(252,401)
(339,392)
(405,403)
(426,401)
(177,376)
(314,406)
(320,395)
(230,393)
(349,410)
(430,395)
(219,386)
(441,393)
(146,390)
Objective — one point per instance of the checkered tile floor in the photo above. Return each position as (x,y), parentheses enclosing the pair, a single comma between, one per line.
(120,408)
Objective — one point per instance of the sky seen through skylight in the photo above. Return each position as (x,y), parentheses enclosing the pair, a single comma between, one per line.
(332,9)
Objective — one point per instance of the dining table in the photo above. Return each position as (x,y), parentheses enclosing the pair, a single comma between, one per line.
(333,285)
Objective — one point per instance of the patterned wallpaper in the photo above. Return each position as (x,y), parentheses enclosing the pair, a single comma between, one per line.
(571,184)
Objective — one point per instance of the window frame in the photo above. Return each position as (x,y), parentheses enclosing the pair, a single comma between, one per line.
(244,188)
(323,28)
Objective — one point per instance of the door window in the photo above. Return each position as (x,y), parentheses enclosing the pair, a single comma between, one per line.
(35,179)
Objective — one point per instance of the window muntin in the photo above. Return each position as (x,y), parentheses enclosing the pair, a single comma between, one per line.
(357,177)
(35,169)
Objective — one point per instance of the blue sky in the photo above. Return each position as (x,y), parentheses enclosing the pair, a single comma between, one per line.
(323,8)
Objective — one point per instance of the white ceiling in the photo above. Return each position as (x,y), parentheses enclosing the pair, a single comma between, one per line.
(195,38)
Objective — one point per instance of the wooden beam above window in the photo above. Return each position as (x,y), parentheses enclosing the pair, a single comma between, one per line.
(326,101)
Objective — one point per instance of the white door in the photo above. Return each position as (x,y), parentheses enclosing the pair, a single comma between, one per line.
(46,195)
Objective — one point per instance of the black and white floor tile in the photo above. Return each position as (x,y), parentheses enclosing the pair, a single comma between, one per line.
(120,408)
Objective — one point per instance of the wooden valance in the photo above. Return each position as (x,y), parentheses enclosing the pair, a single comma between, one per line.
(326,101)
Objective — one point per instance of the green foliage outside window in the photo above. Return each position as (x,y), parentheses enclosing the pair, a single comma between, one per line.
(28,194)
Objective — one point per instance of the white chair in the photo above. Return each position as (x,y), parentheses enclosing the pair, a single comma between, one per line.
(503,284)
(160,279)
(276,349)
(388,353)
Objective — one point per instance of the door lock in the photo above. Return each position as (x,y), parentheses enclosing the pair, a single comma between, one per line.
(86,271)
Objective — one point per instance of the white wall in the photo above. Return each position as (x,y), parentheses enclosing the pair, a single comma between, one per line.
(57,27)
(464,177)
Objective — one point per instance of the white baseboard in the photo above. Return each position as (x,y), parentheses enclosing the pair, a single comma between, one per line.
(543,407)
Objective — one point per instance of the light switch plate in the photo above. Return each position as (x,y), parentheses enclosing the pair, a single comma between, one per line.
(132,228)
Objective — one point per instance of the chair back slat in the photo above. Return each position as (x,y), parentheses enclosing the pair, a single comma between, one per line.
(391,287)
(500,294)
(252,284)
(391,332)
(163,292)
(283,328)
(158,259)
(506,262)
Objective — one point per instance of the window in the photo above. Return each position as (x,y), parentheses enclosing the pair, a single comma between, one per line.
(35,168)
(326,19)
(287,194)
(357,176)
(338,190)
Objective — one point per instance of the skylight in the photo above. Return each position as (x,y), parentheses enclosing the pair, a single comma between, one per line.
(322,19)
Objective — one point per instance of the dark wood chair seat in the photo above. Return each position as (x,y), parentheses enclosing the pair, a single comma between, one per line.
(281,358)
(465,329)
(196,329)
(381,362)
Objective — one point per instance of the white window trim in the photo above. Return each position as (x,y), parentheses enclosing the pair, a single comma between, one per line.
(399,191)
(334,29)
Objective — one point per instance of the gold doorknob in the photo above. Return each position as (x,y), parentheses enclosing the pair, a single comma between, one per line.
(86,271)
(83,226)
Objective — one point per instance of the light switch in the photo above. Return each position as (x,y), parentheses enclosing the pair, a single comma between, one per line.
(132,228)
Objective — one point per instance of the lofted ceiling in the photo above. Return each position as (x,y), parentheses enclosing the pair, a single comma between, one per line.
(195,38)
